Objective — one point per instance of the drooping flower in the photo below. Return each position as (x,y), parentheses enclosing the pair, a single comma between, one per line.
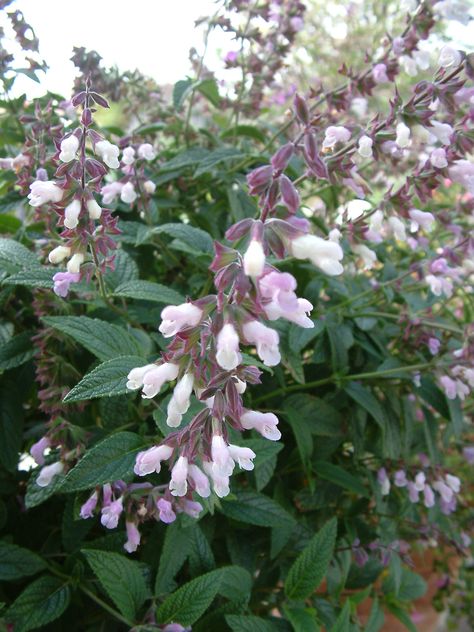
(279,289)
(128,156)
(165,511)
(199,480)
(154,379)
(133,536)
(128,193)
(228,356)
(421,219)
(146,151)
(58,254)
(111,513)
(323,253)
(179,474)
(175,318)
(69,147)
(44,191)
(379,73)
(37,449)
(449,57)
(93,208)
(403,135)
(254,259)
(384,481)
(335,134)
(368,256)
(71,214)
(48,473)
(62,282)
(264,423)
(109,153)
(75,262)
(243,456)
(365,147)
(438,158)
(87,509)
(110,192)
(265,339)
(180,401)
(149,461)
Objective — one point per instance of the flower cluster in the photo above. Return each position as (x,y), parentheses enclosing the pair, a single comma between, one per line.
(423,487)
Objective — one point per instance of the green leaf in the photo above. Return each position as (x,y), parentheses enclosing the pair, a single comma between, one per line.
(11,426)
(148,291)
(310,567)
(364,397)
(250,131)
(121,578)
(109,460)
(201,557)
(208,88)
(403,617)
(299,337)
(376,618)
(40,603)
(181,89)
(125,269)
(257,509)
(187,604)
(106,380)
(215,158)
(241,623)
(16,562)
(342,621)
(176,548)
(322,419)
(188,158)
(411,586)
(32,277)
(341,477)
(236,583)
(301,429)
(14,255)
(196,238)
(302,619)
(17,351)
(102,339)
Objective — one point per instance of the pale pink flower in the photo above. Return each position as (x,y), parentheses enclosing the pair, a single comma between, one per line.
(243,456)
(71,214)
(384,481)
(265,339)
(69,147)
(454,483)
(461,171)
(165,511)
(199,481)
(62,282)
(434,345)
(111,514)
(128,156)
(48,473)
(191,508)
(128,193)
(149,461)
(365,146)
(421,219)
(220,483)
(228,356)
(441,131)
(110,192)
(449,386)
(108,152)
(323,253)
(175,318)
(38,448)
(87,509)
(264,423)
(420,480)
(133,537)
(443,490)
(379,73)
(449,57)
(400,478)
(413,493)
(146,152)
(180,401)
(403,135)
(135,377)
(223,465)
(42,192)
(335,134)
(154,379)
(438,158)
(429,497)
(179,474)
(279,288)
(254,259)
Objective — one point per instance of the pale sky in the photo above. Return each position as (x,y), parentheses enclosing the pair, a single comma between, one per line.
(152,35)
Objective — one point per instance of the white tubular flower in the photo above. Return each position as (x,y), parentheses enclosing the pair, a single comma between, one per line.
(43,191)
(59,254)
(422,59)
(356,208)
(48,472)
(149,186)
(335,134)
(365,146)
(243,456)
(420,480)
(324,254)
(398,228)
(228,356)
(93,208)
(409,65)
(266,341)
(135,377)
(128,193)
(223,465)
(367,255)
(441,131)
(403,135)
(146,151)
(75,262)
(128,156)
(180,401)
(69,147)
(199,480)
(175,318)
(454,483)
(109,153)
(220,484)
(71,214)
(179,474)
(438,158)
(254,259)
(264,423)
(240,386)
(153,380)
(449,57)
(149,461)
(421,219)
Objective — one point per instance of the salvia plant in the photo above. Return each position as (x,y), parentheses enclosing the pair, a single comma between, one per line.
(237,348)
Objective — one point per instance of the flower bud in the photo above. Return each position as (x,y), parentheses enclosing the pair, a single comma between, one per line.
(71,214)
(254,259)
(289,193)
(94,210)
(69,147)
(281,158)
(59,254)
(75,262)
